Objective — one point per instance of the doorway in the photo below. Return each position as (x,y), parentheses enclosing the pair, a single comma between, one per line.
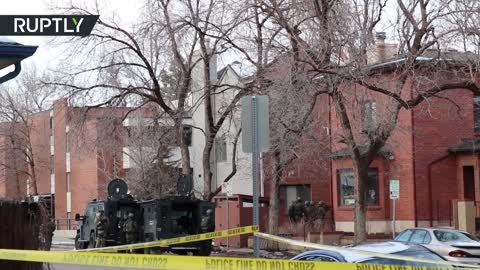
(469,183)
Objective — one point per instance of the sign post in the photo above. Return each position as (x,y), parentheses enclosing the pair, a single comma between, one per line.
(255,139)
(394,195)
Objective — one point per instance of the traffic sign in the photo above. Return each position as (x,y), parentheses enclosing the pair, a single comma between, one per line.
(394,189)
(255,124)
(255,140)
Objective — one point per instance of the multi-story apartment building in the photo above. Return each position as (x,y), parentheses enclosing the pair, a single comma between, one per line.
(72,159)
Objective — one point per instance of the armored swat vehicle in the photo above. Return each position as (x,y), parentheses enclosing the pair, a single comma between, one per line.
(116,208)
(176,216)
(168,217)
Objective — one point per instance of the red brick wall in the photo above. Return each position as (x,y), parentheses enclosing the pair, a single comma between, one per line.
(439,124)
(12,163)
(400,143)
(90,155)
(312,167)
(40,141)
(84,174)
(91,165)
(60,110)
(3,178)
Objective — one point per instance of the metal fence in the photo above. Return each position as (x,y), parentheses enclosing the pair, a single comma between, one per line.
(65,224)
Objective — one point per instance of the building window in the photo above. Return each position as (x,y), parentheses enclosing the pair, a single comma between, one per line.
(221,149)
(69,217)
(290,193)
(67,162)
(476,114)
(346,186)
(52,145)
(52,164)
(28,186)
(67,141)
(51,125)
(69,182)
(369,116)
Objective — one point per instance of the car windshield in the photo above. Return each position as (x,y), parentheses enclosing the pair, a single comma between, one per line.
(417,252)
(453,236)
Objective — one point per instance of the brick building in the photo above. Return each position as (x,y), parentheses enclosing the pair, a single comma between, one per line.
(433,151)
(308,177)
(75,154)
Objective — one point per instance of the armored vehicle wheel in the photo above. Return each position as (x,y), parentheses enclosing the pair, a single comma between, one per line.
(91,240)
(78,244)
(205,248)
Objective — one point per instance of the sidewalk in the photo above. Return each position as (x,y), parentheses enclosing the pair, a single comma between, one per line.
(63,240)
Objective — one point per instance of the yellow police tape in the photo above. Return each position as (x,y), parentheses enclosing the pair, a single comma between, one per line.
(178,240)
(169,262)
(360,252)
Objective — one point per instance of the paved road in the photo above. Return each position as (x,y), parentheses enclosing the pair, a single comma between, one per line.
(78,267)
(81,267)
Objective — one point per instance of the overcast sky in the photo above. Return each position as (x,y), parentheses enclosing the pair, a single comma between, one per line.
(46,55)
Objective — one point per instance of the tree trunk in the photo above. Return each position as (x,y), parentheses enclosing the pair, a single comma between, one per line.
(360,171)
(185,160)
(33,172)
(273,210)
(207,173)
(34,178)
(210,131)
(17,179)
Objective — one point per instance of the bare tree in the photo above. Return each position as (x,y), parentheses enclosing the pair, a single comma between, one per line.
(221,30)
(152,171)
(132,63)
(153,61)
(18,105)
(127,64)
(336,57)
(326,43)
(294,135)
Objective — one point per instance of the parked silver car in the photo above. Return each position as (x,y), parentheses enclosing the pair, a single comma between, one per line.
(453,245)
(392,248)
